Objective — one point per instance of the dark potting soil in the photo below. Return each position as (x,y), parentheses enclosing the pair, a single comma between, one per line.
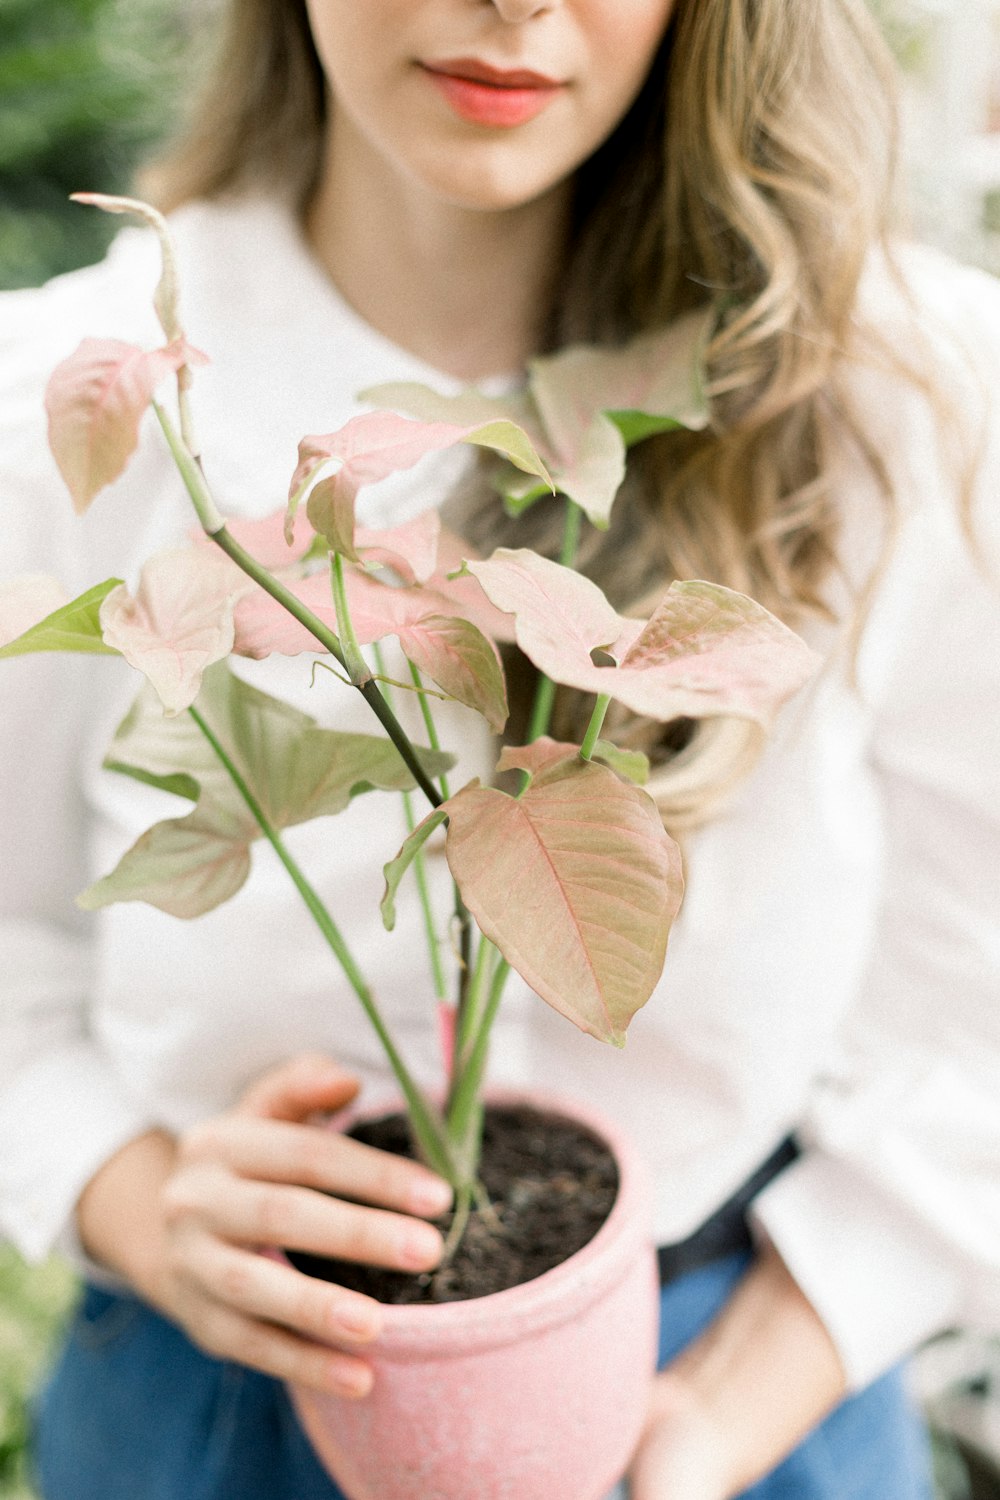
(551,1185)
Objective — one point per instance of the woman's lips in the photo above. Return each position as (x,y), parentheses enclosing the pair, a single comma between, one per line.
(485,95)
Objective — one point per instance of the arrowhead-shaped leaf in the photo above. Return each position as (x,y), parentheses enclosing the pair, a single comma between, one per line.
(397,868)
(33,619)
(297,771)
(95,401)
(577,884)
(179,622)
(706,650)
(184,866)
(463,663)
(659,373)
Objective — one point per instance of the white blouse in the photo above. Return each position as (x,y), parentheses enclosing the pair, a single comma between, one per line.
(835,968)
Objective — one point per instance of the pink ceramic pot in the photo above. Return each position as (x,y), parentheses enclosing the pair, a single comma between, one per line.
(535,1393)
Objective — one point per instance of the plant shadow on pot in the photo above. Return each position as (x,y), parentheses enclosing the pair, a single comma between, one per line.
(490,1385)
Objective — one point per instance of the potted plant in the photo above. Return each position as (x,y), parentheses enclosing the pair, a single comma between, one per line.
(564,874)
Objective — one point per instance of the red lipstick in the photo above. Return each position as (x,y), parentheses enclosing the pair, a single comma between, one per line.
(485,95)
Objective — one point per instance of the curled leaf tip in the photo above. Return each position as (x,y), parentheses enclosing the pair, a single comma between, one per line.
(166,296)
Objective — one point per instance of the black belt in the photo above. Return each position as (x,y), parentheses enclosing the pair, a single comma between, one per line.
(726,1231)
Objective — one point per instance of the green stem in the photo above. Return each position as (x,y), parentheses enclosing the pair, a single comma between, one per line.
(595,726)
(429,725)
(465,1024)
(209,515)
(420,872)
(462,1109)
(461,910)
(545,692)
(427,1126)
(572,527)
(357,667)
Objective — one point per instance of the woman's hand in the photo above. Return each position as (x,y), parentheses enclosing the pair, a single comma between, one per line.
(183,1220)
(741,1396)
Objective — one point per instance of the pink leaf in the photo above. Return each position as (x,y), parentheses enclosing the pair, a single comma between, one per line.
(538,757)
(410,550)
(464,596)
(559,616)
(706,650)
(95,401)
(266,542)
(459,658)
(371,447)
(577,884)
(264,626)
(178,623)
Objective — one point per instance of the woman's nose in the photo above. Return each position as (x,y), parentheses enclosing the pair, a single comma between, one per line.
(522,10)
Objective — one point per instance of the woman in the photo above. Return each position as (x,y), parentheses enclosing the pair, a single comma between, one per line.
(380,189)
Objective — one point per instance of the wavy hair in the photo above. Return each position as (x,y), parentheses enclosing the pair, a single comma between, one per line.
(756,169)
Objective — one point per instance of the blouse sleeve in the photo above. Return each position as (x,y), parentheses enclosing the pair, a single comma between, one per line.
(63,1110)
(890,1221)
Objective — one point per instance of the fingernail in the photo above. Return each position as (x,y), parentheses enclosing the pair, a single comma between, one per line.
(430,1196)
(420,1249)
(359,1322)
(351,1383)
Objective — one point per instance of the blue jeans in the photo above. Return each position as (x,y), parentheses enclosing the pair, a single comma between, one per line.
(135,1412)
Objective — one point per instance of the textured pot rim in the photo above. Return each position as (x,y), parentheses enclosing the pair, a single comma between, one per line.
(437,1329)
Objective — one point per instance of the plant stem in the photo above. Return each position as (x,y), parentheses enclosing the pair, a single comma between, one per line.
(357,667)
(427,1126)
(209,515)
(595,726)
(429,725)
(466,1023)
(463,1109)
(545,693)
(420,872)
(462,913)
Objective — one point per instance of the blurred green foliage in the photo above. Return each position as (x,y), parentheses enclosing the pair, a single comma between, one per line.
(33,1306)
(86,88)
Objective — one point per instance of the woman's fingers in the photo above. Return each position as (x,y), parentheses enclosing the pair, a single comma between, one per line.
(259,1287)
(299,1087)
(275,1351)
(310,1156)
(294,1218)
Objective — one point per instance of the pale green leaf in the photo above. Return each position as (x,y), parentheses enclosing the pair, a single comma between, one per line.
(397,868)
(296,771)
(636,426)
(73,627)
(631,764)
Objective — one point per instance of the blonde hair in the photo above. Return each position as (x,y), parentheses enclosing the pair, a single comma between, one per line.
(756,169)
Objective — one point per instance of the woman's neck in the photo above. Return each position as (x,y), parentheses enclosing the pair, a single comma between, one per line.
(465,290)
